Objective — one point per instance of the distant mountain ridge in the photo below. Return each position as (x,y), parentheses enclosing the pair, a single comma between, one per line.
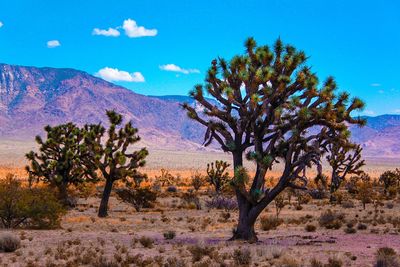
(32,97)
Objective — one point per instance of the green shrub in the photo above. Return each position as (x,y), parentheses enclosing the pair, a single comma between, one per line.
(9,242)
(28,207)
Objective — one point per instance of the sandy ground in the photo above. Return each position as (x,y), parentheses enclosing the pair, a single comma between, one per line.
(84,238)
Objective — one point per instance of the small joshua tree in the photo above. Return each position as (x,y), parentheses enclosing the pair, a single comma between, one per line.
(60,160)
(279,204)
(344,158)
(165,179)
(112,157)
(269,103)
(365,192)
(197,181)
(390,179)
(217,175)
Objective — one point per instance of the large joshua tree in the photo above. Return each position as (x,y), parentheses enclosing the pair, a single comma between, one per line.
(270,105)
(114,157)
(60,159)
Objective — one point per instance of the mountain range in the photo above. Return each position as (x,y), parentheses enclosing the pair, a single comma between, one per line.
(32,97)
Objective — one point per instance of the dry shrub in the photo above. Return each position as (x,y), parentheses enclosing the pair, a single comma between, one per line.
(191,200)
(242,256)
(270,223)
(199,251)
(222,203)
(350,230)
(146,242)
(331,220)
(362,226)
(169,235)
(288,262)
(310,228)
(9,242)
(316,263)
(138,197)
(348,204)
(175,262)
(197,181)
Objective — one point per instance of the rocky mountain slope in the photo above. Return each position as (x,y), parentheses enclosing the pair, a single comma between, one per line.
(32,97)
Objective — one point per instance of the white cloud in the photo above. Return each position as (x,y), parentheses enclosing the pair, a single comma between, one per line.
(375,84)
(53,43)
(132,30)
(396,110)
(1,24)
(110,32)
(369,112)
(116,75)
(381,91)
(175,68)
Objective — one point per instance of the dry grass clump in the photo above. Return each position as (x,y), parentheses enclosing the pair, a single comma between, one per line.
(270,223)
(386,257)
(334,262)
(146,242)
(9,242)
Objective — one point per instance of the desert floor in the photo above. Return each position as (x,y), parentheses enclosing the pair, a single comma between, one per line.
(122,237)
(84,237)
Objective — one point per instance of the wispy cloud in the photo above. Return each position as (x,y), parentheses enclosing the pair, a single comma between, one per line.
(396,110)
(132,30)
(381,91)
(175,68)
(116,75)
(53,43)
(375,84)
(369,112)
(1,24)
(110,32)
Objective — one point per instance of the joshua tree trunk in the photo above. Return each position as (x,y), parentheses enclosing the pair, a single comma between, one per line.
(104,199)
(247,212)
(63,192)
(245,228)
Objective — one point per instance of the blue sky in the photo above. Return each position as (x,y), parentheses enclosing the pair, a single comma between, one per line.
(355,41)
